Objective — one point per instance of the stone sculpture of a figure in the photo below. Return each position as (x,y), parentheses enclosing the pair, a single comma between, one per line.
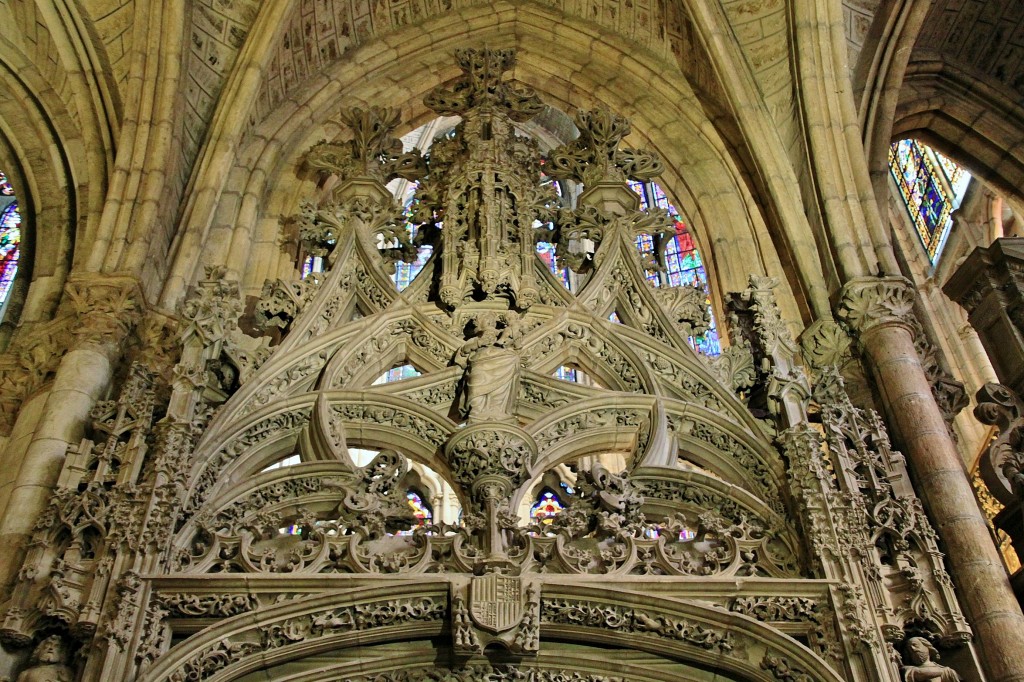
(921,665)
(48,663)
(491,378)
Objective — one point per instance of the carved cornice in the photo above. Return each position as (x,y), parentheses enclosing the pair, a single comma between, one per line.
(871,303)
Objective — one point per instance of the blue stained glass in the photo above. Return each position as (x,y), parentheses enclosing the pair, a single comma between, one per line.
(614,317)
(546,251)
(638,187)
(547,507)
(567,374)
(683,263)
(932,187)
(312,264)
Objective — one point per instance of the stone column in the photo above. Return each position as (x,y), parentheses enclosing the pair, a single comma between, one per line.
(990,287)
(101,311)
(880,311)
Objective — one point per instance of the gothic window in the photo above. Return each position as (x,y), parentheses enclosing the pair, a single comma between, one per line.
(932,187)
(682,264)
(420,509)
(10,239)
(547,507)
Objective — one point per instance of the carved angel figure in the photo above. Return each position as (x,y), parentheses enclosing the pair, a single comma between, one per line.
(490,382)
(922,668)
(48,663)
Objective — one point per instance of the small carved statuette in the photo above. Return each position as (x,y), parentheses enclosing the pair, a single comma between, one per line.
(490,383)
(920,657)
(48,663)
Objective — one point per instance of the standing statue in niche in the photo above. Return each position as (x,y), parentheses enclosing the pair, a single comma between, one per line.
(921,656)
(48,663)
(490,381)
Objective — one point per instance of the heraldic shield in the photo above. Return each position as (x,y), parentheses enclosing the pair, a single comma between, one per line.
(496,601)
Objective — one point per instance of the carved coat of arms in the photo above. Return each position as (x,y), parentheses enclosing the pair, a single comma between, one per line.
(496,601)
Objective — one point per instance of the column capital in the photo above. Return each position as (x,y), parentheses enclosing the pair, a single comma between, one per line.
(868,303)
(104,308)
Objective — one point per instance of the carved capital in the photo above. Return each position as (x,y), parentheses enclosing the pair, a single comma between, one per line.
(872,302)
(105,307)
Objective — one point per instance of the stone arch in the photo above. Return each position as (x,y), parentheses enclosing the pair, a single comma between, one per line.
(233,452)
(676,628)
(981,130)
(54,202)
(702,176)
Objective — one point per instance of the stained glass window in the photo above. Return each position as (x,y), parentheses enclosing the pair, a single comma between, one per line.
(932,187)
(405,273)
(683,264)
(567,374)
(397,374)
(420,509)
(614,317)
(312,264)
(546,251)
(10,238)
(547,507)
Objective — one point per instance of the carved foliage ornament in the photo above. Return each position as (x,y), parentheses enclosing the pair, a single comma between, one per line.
(872,302)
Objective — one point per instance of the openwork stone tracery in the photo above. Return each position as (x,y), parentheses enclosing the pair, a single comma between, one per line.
(174,551)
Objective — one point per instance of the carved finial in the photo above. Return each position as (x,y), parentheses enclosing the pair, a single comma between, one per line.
(373,152)
(481,86)
(595,156)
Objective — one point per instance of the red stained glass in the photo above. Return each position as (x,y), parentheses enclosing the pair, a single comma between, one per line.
(547,507)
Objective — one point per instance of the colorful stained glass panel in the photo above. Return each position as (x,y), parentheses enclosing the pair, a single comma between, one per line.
(932,187)
(397,374)
(420,509)
(683,264)
(10,238)
(546,251)
(547,507)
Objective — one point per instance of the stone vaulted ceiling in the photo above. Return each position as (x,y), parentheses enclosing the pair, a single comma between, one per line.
(985,38)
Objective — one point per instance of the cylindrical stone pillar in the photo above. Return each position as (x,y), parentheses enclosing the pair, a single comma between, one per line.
(878,310)
(81,377)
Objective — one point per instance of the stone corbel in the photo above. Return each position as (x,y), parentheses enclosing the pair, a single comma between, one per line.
(1002,465)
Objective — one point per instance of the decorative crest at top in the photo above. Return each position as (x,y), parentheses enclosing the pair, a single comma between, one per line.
(373,152)
(595,157)
(481,86)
